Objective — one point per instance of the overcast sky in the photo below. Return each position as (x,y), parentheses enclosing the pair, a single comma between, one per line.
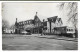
(25,11)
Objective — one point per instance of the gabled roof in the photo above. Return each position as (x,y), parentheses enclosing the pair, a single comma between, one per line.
(52,18)
(26,20)
(59,19)
(37,18)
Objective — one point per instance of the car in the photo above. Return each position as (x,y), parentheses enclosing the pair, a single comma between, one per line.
(25,33)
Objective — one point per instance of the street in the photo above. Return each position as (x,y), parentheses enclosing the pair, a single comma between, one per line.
(30,42)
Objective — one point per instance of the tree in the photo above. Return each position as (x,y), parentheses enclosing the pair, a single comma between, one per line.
(72,12)
(5,24)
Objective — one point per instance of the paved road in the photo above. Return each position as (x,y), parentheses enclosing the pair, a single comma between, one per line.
(18,42)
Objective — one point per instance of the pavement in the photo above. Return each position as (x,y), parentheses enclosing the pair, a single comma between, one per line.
(56,37)
(49,37)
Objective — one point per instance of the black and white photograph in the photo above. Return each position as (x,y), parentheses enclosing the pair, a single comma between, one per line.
(39,25)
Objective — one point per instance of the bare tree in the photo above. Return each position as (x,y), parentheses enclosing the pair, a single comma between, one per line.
(72,12)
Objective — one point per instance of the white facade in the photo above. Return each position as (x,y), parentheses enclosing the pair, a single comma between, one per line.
(70,30)
(53,24)
(9,30)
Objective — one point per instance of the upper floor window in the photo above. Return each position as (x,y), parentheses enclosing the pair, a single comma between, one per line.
(21,23)
(25,22)
(28,22)
(69,29)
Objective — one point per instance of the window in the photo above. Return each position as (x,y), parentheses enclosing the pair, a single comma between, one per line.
(21,23)
(62,28)
(21,26)
(71,29)
(67,29)
(29,21)
(37,24)
(25,22)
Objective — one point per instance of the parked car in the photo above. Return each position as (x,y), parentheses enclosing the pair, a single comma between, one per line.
(26,33)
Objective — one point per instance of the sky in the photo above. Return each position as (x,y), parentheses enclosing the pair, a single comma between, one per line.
(25,11)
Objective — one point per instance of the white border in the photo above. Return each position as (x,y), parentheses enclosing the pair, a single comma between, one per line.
(41,2)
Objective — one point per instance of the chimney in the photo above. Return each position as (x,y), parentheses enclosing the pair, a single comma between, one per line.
(36,13)
(43,20)
(16,20)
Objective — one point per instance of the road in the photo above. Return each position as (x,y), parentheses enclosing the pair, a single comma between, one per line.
(29,42)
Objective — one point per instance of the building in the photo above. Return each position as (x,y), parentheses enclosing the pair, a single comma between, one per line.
(37,24)
(17,27)
(32,25)
(9,30)
(51,23)
(24,26)
(65,31)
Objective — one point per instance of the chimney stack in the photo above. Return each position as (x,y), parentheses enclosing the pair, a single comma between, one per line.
(16,20)
(36,13)
(43,20)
